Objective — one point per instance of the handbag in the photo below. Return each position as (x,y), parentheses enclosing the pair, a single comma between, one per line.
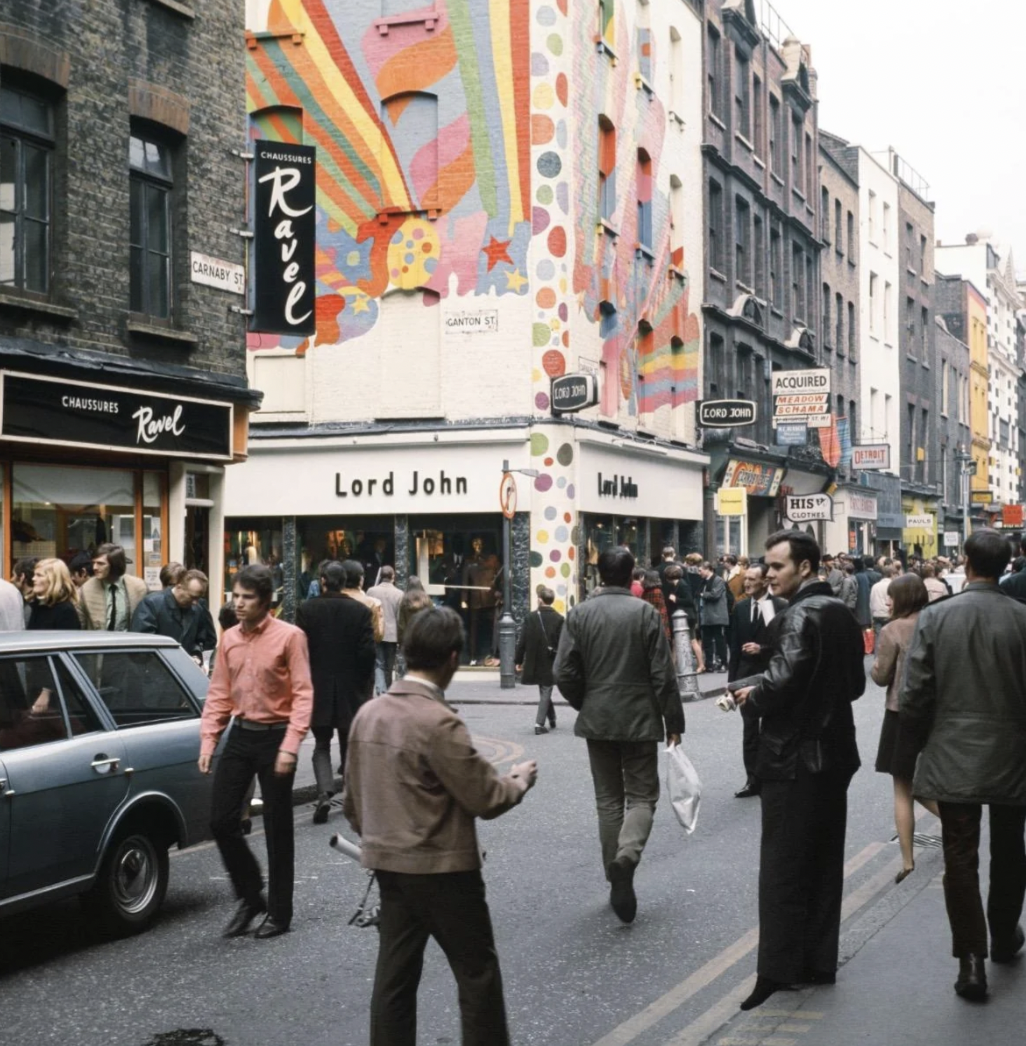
(868,640)
(684,786)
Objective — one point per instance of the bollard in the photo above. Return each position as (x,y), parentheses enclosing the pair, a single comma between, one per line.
(684,658)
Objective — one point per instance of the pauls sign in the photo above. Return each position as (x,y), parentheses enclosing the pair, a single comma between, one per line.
(80,414)
(284,237)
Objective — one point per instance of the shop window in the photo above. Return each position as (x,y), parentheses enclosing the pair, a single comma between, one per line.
(250,541)
(742,94)
(150,236)
(59,511)
(26,174)
(714,74)
(715,226)
(370,540)
(776,134)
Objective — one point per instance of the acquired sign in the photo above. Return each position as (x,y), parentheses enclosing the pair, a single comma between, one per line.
(804,508)
(285,236)
(920,522)
(871,456)
(786,382)
(725,414)
(573,392)
(81,414)
(802,395)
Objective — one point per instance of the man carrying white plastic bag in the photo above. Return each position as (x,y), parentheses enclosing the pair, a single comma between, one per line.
(684,787)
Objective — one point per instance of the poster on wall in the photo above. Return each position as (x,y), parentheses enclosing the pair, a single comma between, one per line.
(284,238)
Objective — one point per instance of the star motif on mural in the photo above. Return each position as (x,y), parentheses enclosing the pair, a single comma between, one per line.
(515,282)
(360,304)
(497,251)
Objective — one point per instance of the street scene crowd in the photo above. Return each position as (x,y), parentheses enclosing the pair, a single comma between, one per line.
(369,665)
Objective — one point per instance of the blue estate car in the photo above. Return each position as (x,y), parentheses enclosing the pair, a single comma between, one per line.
(99,737)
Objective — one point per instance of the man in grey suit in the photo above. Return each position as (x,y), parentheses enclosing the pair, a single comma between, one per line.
(613,665)
(963,694)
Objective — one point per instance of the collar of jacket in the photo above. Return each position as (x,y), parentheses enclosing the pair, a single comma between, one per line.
(812,588)
(611,590)
(328,594)
(414,688)
(983,586)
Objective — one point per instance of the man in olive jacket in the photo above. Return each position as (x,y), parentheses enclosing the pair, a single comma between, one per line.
(963,693)
(614,667)
(807,756)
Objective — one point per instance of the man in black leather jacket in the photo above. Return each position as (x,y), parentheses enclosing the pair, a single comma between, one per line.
(807,756)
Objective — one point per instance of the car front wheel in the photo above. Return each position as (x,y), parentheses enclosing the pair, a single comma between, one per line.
(132,882)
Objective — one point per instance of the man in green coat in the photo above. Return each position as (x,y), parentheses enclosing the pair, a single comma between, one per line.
(613,665)
(963,695)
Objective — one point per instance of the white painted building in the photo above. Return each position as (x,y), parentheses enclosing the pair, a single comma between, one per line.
(503,196)
(879,266)
(989,264)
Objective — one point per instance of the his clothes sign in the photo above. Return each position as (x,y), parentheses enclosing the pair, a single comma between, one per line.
(285,237)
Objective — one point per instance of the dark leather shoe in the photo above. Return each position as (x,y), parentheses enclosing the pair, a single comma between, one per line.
(270,927)
(622,898)
(1006,951)
(245,913)
(764,988)
(541,729)
(323,808)
(972,978)
(750,790)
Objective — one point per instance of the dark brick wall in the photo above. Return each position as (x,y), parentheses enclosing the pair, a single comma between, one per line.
(116,56)
(919,374)
(950,350)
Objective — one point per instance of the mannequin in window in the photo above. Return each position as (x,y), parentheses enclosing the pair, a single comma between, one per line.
(479,571)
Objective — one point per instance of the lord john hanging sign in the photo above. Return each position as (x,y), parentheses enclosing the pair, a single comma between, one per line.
(284,238)
(80,414)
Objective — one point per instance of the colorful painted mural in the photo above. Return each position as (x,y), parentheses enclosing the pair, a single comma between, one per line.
(630,280)
(422,127)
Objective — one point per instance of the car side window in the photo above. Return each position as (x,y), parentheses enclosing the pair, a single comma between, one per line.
(137,687)
(30,705)
(81,715)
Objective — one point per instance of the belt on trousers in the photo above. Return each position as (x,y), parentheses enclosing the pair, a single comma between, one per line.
(248,724)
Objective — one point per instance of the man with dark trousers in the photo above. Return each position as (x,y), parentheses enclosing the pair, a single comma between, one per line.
(262,682)
(807,756)
(340,635)
(750,652)
(963,696)
(414,787)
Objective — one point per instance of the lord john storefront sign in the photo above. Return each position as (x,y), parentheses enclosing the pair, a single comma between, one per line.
(80,414)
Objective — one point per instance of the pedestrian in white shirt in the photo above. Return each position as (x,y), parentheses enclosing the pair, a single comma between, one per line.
(879,601)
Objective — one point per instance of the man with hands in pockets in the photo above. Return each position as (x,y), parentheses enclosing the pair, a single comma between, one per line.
(414,786)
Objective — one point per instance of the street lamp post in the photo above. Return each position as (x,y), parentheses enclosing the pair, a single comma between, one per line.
(967,469)
(507,626)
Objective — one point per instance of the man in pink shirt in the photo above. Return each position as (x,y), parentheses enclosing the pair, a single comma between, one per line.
(262,679)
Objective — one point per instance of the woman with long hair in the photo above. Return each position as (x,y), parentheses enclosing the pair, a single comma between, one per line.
(55,597)
(897,753)
(414,599)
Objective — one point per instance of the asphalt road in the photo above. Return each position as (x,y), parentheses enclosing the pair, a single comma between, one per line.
(574,975)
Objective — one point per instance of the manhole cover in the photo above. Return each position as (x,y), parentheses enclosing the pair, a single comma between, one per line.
(186,1037)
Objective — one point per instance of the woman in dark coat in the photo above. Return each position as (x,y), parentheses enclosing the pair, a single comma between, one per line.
(678,594)
(536,650)
(55,602)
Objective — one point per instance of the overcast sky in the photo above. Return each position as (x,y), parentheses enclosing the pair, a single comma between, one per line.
(944,82)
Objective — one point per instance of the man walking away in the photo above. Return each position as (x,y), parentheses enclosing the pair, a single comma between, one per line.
(536,650)
(389,596)
(414,786)
(354,590)
(880,601)
(262,680)
(963,695)
(807,756)
(108,600)
(340,636)
(614,667)
(750,653)
(179,612)
(715,616)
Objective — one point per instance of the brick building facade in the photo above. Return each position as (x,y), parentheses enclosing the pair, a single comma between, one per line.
(117,125)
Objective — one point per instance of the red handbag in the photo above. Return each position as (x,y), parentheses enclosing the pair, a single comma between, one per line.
(869,640)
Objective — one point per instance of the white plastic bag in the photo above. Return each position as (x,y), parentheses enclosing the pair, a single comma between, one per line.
(684,786)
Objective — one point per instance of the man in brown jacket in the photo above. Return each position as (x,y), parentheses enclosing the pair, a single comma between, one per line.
(414,784)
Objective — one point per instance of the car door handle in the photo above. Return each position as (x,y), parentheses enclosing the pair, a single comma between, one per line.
(4,789)
(102,762)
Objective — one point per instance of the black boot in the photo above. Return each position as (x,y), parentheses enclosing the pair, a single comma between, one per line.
(972,978)
(764,988)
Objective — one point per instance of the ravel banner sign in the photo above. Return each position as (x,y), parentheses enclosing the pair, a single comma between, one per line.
(284,238)
(80,414)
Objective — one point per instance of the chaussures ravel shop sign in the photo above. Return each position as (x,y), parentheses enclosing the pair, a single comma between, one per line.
(41,409)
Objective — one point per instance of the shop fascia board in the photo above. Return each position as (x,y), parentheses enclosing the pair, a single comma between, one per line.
(420,438)
(622,444)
